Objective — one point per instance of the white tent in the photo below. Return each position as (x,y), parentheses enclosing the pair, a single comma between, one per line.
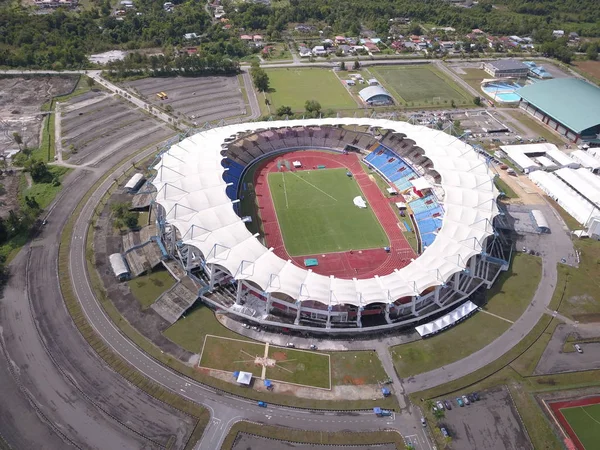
(244,378)
(546,163)
(562,159)
(516,155)
(586,160)
(360,202)
(583,181)
(119,266)
(448,320)
(540,221)
(566,197)
(193,199)
(134,182)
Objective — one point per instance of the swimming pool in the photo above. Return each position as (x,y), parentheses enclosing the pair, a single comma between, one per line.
(502,91)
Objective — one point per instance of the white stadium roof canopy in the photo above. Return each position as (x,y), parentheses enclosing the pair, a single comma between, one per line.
(196,203)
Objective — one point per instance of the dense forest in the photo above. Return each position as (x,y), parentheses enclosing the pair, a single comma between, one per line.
(63,38)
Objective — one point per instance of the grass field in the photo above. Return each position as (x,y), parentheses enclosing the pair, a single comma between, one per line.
(316,213)
(300,367)
(585,421)
(292,87)
(536,127)
(508,298)
(419,85)
(231,354)
(292,366)
(147,288)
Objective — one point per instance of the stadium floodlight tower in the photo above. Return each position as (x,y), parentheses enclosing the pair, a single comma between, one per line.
(200,181)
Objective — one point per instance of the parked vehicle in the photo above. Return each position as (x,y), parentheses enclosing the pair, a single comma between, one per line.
(381,412)
(475,396)
(578,348)
(440,405)
(471,398)
(290,345)
(313,347)
(423,421)
(466,400)
(460,402)
(448,405)
(444,432)
(262,404)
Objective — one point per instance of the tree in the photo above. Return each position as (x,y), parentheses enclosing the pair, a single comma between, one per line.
(343,65)
(18,139)
(356,65)
(40,172)
(429,404)
(592,52)
(477,101)
(453,104)
(284,111)
(439,414)
(312,106)
(90,82)
(261,80)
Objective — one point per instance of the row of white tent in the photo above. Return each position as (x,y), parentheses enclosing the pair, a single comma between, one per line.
(546,156)
(448,320)
(576,191)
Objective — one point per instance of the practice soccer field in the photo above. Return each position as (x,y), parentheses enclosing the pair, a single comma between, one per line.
(292,87)
(421,85)
(585,421)
(316,213)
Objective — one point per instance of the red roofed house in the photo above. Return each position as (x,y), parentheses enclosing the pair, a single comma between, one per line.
(371,47)
(246,38)
(340,40)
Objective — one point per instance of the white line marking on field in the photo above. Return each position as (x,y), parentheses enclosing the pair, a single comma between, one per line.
(284,190)
(310,184)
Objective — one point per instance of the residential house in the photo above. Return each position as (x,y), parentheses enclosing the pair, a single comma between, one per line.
(371,47)
(558,33)
(319,50)
(304,52)
(340,40)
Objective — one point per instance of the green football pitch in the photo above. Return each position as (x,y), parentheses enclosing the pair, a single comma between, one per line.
(420,85)
(316,213)
(585,422)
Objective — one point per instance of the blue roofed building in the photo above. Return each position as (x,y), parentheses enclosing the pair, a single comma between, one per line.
(376,96)
(570,106)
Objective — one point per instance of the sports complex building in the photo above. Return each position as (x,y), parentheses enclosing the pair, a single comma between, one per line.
(567,105)
(223,201)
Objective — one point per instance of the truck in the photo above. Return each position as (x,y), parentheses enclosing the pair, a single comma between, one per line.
(381,412)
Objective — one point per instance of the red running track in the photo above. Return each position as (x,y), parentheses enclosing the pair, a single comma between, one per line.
(573,442)
(350,264)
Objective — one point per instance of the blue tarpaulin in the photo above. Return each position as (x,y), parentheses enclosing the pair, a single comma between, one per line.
(268,383)
(385,392)
(236,374)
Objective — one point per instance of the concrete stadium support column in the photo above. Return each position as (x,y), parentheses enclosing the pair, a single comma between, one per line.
(436,295)
(298,311)
(413,305)
(269,302)
(387,313)
(472,266)
(359,317)
(328,325)
(211,283)
(238,295)
(456,281)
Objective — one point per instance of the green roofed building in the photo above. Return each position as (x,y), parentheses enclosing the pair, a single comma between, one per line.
(568,105)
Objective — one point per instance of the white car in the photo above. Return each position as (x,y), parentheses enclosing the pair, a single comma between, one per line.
(578,348)
(440,406)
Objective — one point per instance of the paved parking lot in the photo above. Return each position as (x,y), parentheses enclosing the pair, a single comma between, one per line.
(554,360)
(97,125)
(492,423)
(251,442)
(200,99)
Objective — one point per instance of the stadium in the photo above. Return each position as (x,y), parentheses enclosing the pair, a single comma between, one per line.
(304,225)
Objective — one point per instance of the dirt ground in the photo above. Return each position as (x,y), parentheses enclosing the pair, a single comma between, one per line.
(250,442)
(9,191)
(589,67)
(21,99)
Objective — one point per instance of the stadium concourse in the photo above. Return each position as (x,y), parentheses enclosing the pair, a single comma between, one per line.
(450,199)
